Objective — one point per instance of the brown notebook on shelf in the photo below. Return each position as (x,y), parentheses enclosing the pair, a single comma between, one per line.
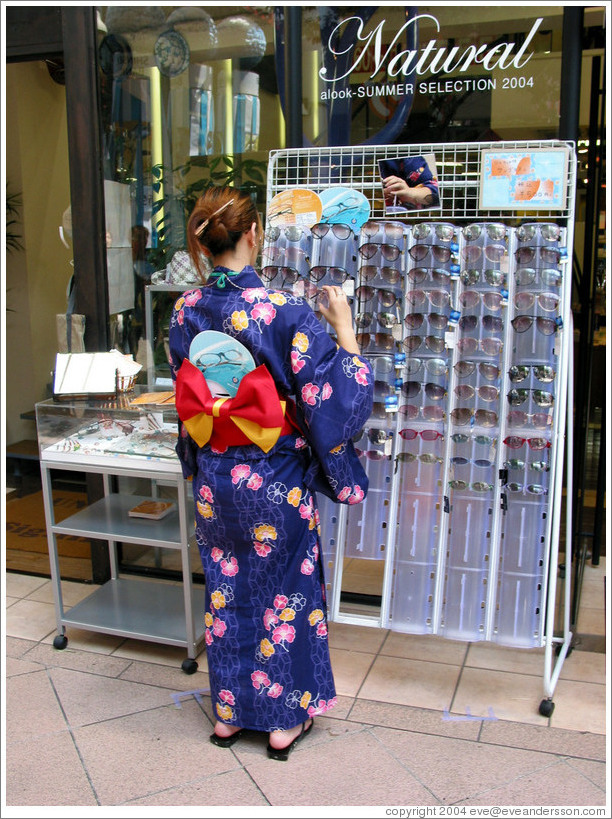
(152,509)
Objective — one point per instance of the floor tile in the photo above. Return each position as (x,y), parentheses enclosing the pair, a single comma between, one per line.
(556,784)
(152,751)
(501,694)
(92,662)
(349,669)
(410,682)
(417,720)
(580,706)
(502,658)
(21,585)
(72,593)
(165,676)
(47,770)
(356,638)
(595,772)
(158,653)
(358,771)
(590,621)
(90,698)
(79,638)
(586,666)
(233,788)
(33,707)
(425,647)
(453,769)
(591,747)
(30,620)
(13,666)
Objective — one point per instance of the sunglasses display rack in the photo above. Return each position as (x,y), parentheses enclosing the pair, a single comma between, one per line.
(465,318)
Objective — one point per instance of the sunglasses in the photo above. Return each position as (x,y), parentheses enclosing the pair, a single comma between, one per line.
(337,274)
(384,340)
(419,274)
(548,255)
(424,458)
(540,397)
(388,252)
(548,232)
(492,324)
(439,254)
(389,274)
(433,343)
(547,301)
(372,454)
(543,372)
(465,368)
(481,440)
(289,275)
(493,253)
(394,230)
(291,255)
(363,320)
(531,488)
(496,232)
(527,275)
(466,391)
(321,229)
(435,366)
(435,392)
(477,486)
(490,346)
(385,297)
(516,442)
(292,233)
(494,278)
(377,436)
(459,460)
(437,298)
(380,409)
(465,415)
(545,326)
(415,320)
(443,232)
(383,364)
(426,434)
(470,298)
(429,413)
(517,463)
(518,418)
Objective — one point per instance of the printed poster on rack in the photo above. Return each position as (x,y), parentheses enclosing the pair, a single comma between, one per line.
(533,179)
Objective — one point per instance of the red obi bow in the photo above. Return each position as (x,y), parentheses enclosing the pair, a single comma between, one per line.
(254,415)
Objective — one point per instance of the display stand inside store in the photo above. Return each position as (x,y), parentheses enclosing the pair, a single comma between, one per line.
(130,445)
(463,310)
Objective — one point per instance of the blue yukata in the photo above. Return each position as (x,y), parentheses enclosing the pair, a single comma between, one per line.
(257,524)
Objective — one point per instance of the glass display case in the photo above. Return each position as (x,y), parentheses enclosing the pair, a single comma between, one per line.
(129,440)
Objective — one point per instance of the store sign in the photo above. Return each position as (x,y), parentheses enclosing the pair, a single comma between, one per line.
(432,59)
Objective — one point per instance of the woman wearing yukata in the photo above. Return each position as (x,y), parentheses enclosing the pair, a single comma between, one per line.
(257,459)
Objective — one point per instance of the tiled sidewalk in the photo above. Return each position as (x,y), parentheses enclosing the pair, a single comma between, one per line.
(420,721)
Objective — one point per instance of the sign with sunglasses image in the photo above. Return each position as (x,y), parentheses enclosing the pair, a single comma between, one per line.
(344,206)
(533,179)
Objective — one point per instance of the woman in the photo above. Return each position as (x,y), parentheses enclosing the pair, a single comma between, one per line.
(256,519)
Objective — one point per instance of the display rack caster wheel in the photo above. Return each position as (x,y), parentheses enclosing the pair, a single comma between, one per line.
(189,666)
(546,708)
(60,642)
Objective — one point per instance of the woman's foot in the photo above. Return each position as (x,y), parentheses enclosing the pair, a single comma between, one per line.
(225,735)
(283,742)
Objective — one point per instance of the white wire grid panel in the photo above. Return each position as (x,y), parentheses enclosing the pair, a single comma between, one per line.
(458,167)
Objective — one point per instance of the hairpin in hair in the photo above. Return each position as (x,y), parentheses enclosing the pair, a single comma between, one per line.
(202,227)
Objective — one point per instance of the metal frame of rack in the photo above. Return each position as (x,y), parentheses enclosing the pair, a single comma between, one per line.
(159,612)
(459,171)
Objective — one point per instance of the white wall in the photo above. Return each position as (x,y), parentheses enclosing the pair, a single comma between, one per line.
(36,278)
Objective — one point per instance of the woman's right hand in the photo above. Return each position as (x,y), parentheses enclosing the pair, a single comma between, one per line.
(336,310)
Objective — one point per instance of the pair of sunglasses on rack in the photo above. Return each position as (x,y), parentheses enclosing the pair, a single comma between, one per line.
(389,274)
(465,368)
(466,415)
(530,488)
(489,346)
(481,440)
(434,366)
(372,454)
(492,253)
(337,274)
(443,231)
(392,230)
(526,276)
(286,256)
(322,229)
(527,254)
(477,486)
(293,233)
(389,252)
(518,463)
(491,324)
(408,434)
(424,458)
(540,397)
(493,278)
(516,442)
(433,343)
(518,418)
(382,340)
(287,275)
(386,298)
(438,254)
(494,230)
(375,436)
(435,392)
(438,321)
(548,231)
(548,302)
(437,298)
(466,392)
(483,463)
(545,326)
(431,412)
(363,320)
(471,298)
(543,372)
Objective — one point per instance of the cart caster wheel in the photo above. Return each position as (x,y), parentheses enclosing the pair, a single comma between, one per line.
(60,642)
(546,708)
(189,666)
